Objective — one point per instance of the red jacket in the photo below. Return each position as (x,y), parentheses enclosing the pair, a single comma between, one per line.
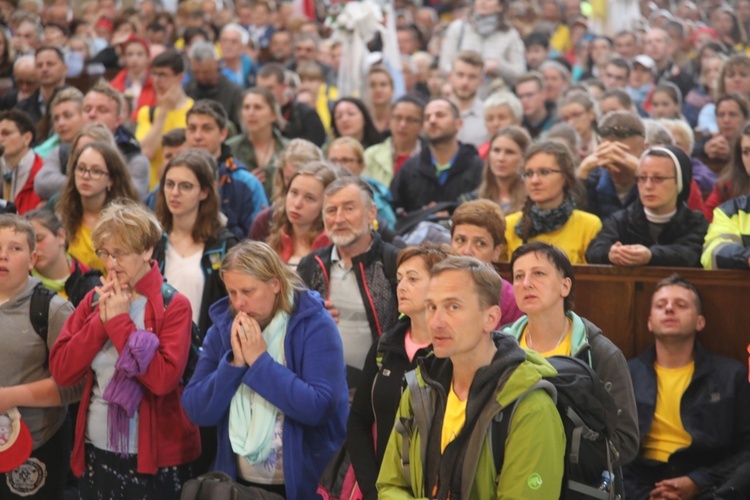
(287,245)
(27,198)
(165,435)
(147,97)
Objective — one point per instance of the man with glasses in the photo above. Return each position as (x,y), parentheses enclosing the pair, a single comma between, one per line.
(658,229)
(538,113)
(26,82)
(384,160)
(443,171)
(20,164)
(172,105)
(609,172)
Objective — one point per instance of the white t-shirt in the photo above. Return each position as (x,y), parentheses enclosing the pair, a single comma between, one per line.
(186,275)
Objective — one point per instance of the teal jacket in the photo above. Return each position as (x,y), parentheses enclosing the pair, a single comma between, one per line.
(589,344)
(534,451)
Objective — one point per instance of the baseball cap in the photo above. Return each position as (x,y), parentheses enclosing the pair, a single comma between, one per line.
(15,440)
(645,61)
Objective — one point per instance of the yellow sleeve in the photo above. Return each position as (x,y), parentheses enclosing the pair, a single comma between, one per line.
(143,123)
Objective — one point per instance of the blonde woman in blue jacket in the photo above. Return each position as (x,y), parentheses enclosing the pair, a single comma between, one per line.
(271,377)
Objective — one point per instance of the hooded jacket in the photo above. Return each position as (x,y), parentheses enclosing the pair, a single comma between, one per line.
(534,452)
(309,389)
(24,358)
(589,344)
(416,184)
(213,253)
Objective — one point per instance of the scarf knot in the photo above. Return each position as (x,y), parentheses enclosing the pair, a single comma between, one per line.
(546,221)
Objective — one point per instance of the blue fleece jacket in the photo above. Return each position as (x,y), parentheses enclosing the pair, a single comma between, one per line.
(310,390)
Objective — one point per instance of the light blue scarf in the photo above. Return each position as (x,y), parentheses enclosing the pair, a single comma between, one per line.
(251,418)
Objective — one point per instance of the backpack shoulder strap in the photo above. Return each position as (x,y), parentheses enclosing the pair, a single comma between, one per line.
(151,113)
(423,408)
(390,257)
(167,292)
(39,310)
(500,426)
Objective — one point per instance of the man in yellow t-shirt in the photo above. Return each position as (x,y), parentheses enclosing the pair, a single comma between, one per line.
(693,406)
(172,105)
(471,377)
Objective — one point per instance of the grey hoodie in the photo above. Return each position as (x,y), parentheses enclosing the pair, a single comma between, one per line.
(23,358)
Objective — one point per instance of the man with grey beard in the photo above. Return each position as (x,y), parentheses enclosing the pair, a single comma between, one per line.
(356,275)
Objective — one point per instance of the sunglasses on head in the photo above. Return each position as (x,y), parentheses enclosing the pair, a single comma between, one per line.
(619,132)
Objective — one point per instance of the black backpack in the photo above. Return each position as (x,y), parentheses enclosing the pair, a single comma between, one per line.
(589,416)
(219,486)
(196,342)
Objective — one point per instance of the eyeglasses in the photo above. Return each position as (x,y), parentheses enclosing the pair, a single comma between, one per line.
(655,179)
(344,161)
(115,256)
(26,83)
(182,187)
(619,132)
(541,173)
(410,120)
(95,174)
(573,116)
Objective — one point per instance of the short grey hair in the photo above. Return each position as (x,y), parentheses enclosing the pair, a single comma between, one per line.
(203,52)
(504,98)
(657,134)
(244,35)
(565,72)
(349,180)
(27,59)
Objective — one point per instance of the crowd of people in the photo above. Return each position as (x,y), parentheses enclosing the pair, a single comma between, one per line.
(200,234)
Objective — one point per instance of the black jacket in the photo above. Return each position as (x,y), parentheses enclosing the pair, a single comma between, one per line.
(714,410)
(376,276)
(303,122)
(226,93)
(679,245)
(213,253)
(416,184)
(376,402)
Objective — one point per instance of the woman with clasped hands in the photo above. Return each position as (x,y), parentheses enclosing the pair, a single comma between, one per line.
(271,377)
(133,438)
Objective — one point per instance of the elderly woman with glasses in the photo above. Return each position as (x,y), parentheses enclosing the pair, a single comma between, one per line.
(658,229)
(129,341)
(549,213)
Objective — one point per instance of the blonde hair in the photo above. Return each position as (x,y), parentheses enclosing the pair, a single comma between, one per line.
(130,224)
(257,259)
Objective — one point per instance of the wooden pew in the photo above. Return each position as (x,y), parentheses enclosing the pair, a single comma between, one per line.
(618,300)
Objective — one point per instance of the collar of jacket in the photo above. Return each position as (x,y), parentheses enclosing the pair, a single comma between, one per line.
(461,162)
(700,356)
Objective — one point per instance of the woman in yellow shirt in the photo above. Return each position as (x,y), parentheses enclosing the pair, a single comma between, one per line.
(549,213)
(543,284)
(97,174)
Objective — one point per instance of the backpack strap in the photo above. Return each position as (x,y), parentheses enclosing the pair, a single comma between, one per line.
(423,408)
(500,427)
(39,310)
(151,113)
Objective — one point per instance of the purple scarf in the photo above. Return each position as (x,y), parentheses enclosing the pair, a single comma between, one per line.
(124,392)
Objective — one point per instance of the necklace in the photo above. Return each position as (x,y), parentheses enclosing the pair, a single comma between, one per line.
(559,341)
